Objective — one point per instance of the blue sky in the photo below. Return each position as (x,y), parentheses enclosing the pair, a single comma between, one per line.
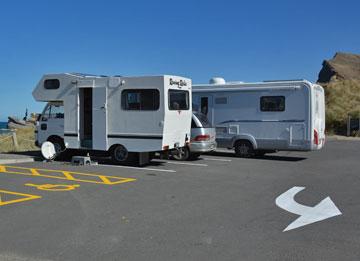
(238,40)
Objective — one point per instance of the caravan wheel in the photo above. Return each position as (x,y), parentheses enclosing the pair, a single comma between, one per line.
(244,149)
(120,154)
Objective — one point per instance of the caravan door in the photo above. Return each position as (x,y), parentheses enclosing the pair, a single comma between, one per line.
(99,125)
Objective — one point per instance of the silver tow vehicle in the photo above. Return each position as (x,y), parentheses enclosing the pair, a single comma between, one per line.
(203,137)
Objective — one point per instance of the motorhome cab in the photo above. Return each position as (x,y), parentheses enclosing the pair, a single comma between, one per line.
(119,115)
(255,118)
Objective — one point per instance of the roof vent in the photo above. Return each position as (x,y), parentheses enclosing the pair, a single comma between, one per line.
(217,80)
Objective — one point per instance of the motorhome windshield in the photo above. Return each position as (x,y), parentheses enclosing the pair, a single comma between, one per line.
(178,100)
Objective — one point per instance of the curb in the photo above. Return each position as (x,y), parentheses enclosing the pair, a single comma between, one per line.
(13,161)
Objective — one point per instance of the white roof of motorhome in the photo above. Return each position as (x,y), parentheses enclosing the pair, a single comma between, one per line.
(232,86)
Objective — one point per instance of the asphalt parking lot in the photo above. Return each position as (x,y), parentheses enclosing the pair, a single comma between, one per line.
(216,208)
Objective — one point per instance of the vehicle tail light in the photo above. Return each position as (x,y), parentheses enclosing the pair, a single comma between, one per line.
(202,138)
(316,137)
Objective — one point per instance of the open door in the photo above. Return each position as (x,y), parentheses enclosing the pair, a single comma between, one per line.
(207,108)
(99,113)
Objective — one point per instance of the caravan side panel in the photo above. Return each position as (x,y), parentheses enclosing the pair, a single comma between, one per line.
(138,130)
(238,114)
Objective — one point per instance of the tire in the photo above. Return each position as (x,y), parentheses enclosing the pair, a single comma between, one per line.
(184,154)
(244,149)
(119,154)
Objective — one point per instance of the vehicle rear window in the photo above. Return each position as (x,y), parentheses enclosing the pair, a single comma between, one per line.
(272,103)
(140,99)
(203,120)
(178,100)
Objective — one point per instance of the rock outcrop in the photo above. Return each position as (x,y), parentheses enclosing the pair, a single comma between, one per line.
(344,66)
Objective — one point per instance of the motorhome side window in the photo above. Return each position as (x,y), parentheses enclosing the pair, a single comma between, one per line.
(272,103)
(140,100)
(178,100)
(51,84)
(53,111)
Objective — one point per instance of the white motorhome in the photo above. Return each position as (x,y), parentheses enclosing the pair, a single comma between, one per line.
(256,118)
(119,115)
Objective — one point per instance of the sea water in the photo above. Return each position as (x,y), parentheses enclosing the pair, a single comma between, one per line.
(3,128)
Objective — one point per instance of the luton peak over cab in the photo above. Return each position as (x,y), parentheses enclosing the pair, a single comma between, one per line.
(126,117)
(257,118)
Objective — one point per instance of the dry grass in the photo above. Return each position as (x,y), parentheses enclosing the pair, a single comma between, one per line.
(342,99)
(25,137)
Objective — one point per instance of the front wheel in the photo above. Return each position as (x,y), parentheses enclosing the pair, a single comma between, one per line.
(183,154)
(244,149)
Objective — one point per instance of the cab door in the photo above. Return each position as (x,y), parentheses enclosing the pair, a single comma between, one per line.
(51,122)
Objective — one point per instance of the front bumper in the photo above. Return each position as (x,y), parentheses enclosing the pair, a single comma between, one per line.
(203,146)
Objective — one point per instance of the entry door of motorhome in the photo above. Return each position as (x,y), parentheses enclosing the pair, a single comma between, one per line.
(99,113)
(207,107)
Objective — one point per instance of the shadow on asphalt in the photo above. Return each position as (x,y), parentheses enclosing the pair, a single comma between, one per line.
(265,157)
(106,160)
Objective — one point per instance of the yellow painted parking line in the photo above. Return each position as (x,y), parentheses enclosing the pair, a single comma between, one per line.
(23,197)
(65,175)
(54,187)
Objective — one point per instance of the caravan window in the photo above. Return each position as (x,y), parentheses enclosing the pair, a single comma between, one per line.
(272,103)
(140,99)
(51,84)
(178,100)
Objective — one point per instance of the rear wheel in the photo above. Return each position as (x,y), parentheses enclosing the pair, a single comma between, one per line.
(244,149)
(183,154)
(119,154)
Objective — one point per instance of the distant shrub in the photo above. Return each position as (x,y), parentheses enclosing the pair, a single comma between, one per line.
(342,99)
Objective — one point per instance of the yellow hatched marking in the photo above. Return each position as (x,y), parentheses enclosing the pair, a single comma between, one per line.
(35,172)
(67,175)
(24,197)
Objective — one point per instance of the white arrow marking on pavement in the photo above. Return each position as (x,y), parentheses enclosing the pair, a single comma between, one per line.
(325,209)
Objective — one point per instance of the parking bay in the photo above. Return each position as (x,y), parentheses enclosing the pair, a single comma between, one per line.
(219,207)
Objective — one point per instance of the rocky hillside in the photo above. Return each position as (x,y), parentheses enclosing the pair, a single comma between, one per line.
(343,66)
(340,78)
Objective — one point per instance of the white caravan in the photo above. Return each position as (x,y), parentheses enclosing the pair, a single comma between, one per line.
(119,115)
(256,118)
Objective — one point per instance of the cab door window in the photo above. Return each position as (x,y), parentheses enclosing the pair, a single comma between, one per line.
(53,111)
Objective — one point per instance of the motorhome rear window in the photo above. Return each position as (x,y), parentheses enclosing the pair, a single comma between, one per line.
(140,99)
(51,84)
(272,103)
(178,100)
